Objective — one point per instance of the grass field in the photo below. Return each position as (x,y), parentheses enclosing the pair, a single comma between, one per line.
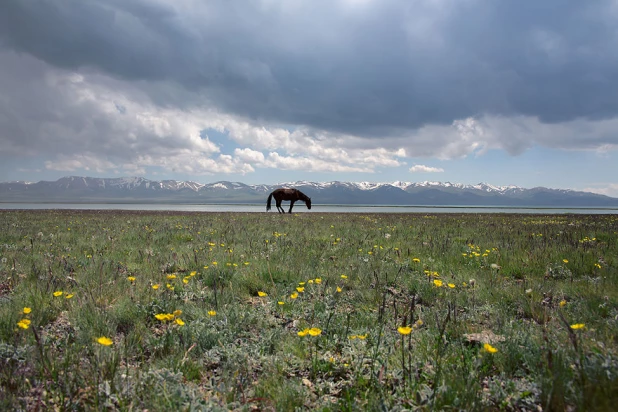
(214,311)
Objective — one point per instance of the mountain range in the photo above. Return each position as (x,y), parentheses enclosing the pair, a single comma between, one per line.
(75,189)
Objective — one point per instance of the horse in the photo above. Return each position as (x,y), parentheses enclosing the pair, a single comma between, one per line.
(287,194)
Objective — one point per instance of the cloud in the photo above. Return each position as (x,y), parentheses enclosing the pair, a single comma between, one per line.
(607,189)
(330,85)
(425,169)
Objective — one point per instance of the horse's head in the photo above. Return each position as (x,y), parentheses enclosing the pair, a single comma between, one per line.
(308,203)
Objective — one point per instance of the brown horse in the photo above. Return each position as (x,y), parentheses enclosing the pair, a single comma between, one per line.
(287,194)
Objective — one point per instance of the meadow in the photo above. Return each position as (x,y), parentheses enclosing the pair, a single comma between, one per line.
(113,310)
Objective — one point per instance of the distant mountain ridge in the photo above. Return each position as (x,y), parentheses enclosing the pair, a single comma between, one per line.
(76,189)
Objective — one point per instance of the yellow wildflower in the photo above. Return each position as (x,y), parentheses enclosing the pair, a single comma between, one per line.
(262,294)
(58,293)
(303,332)
(315,331)
(172,276)
(69,296)
(578,326)
(155,286)
(212,313)
(131,278)
(281,302)
(404,330)
(193,273)
(27,310)
(563,303)
(105,341)
(339,289)
(300,289)
(294,295)
(24,323)
(344,277)
(488,348)
(318,280)
(438,283)
(179,322)
(451,285)
(177,312)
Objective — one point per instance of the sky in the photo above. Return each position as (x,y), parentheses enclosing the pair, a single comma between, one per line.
(510,92)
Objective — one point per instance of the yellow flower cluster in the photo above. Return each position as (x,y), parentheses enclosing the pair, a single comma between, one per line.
(310,331)
(174,316)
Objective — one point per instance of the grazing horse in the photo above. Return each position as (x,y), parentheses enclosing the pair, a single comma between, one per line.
(287,194)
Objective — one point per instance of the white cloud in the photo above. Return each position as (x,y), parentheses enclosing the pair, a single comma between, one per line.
(608,189)
(425,169)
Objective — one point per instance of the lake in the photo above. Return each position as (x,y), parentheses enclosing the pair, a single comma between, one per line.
(301,208)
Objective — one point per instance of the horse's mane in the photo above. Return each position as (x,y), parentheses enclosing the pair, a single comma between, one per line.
(301,195)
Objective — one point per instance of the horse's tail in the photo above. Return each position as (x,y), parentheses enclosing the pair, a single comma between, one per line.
(268,202)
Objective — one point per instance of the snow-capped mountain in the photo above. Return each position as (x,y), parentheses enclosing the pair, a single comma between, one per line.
(138,189)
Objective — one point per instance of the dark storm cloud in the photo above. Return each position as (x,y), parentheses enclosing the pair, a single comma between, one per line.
(367,68)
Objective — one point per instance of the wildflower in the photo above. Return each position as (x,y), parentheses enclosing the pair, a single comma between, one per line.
(303,332)
(27,310)
(185,280)
(171,277)
(163,317)
(281,302)
(294,295)
(578,326)
(310,281)
(193,273)
(362,337)
(69,295)
(563,303)
(155,286)
(488,348)
(339,289)
(565,260)
(301,283)
(214,263)
(318,280)
(105,341)
(416,260)
(315,331)
(472,283)
(58,293)
(300,289)
(451,285)
(438,283)
(404,330)
(344,277)
(169,286)
(528,291)
(24,323)
(598,266)
(131,279)
(262,294)
(212,313)
(352,337)
(177,312)
(179,322)
(418,323)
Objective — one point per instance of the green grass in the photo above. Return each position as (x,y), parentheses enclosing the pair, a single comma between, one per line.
(516,282)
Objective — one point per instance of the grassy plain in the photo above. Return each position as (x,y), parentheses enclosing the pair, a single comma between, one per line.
(208,311)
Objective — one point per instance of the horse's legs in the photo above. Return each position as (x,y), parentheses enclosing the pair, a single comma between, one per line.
(291,206)
(279,208)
